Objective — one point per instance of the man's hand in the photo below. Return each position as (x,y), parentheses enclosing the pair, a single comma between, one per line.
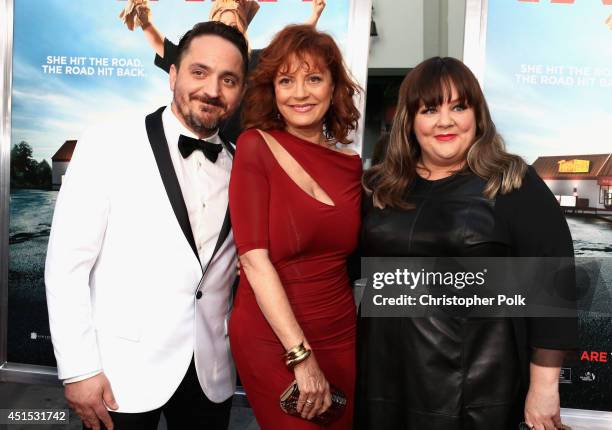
(89,399)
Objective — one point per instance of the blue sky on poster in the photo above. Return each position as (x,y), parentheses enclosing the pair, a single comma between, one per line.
(553,114)
(49,108)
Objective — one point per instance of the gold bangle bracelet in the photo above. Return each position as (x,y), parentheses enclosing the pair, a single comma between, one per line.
(298,355)
(296,350)
(292,362)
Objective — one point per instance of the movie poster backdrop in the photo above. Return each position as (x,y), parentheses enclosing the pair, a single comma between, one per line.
(546,69)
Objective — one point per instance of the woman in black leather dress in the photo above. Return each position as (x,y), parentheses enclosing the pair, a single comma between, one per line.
(448,188)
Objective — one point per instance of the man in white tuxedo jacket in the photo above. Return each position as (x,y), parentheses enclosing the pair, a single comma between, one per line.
(141,258)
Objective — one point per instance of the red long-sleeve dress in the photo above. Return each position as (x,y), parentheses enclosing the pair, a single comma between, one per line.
(308,242)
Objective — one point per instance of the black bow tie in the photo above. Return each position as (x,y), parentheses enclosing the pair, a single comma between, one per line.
(188,144)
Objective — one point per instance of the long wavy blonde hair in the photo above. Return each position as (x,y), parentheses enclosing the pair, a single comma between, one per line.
(430,84)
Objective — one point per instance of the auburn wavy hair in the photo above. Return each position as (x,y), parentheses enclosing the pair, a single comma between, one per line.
(304,43)
(429,84)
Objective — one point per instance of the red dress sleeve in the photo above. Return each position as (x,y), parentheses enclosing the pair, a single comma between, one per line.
(249,193)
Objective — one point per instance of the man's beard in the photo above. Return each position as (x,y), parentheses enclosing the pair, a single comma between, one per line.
(198,124)
(201,126)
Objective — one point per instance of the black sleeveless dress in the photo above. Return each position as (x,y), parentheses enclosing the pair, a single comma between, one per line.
(447,372)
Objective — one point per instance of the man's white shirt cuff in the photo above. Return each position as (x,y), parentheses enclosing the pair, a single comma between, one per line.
(81,377)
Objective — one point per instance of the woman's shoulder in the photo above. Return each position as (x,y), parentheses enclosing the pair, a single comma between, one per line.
(531,206)
(251,145)
(250,137)
(532,180)
(533,191)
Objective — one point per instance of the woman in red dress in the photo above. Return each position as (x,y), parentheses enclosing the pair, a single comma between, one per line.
(295,203)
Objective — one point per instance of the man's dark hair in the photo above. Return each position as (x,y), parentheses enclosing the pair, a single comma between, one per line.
(214,28)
